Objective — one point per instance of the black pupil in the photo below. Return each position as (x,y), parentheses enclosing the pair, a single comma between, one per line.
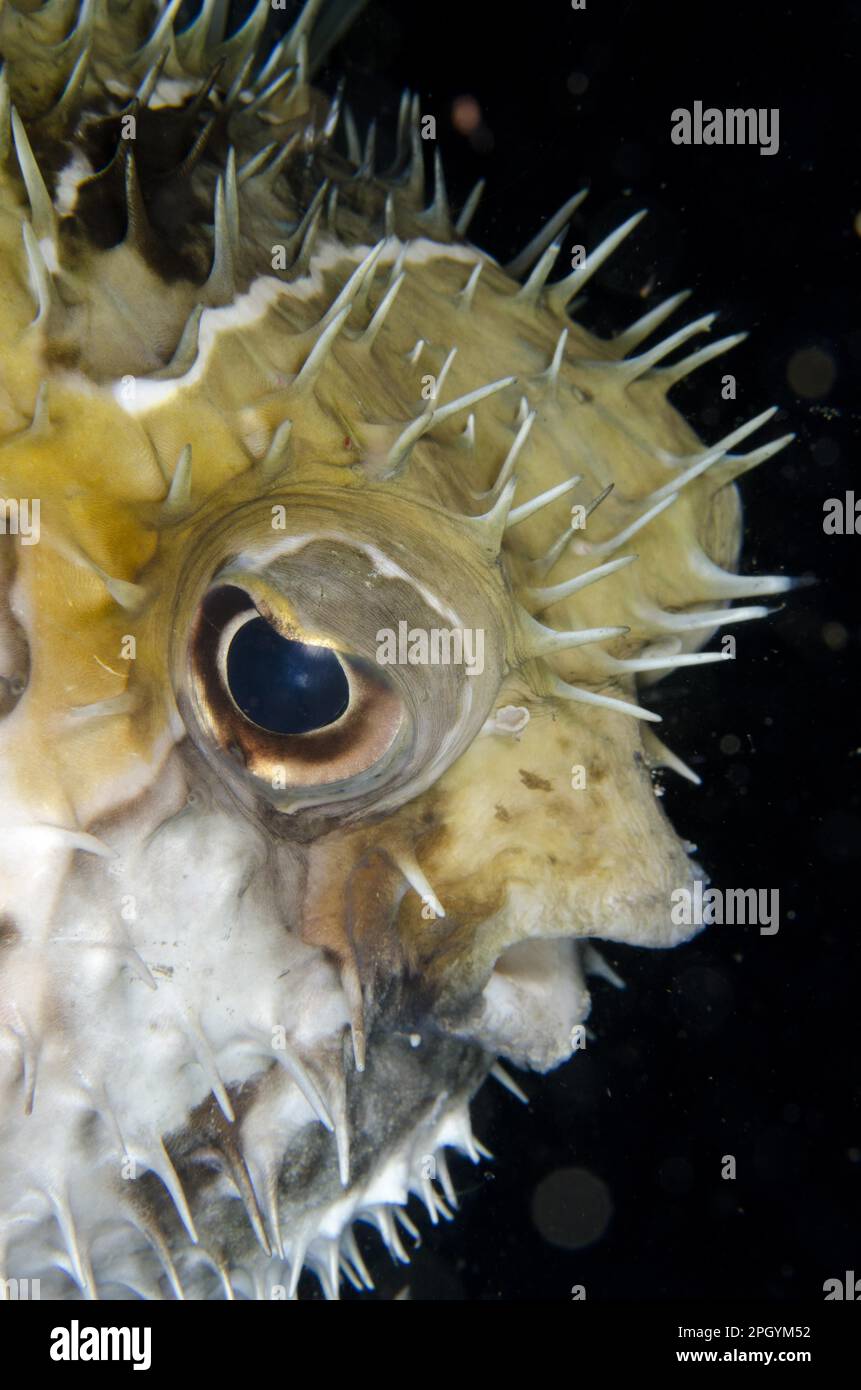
(285,687)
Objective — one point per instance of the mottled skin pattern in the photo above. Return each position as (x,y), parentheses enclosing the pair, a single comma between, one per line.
(233,1020)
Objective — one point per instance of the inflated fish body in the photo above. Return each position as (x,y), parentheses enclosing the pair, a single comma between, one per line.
(334,558)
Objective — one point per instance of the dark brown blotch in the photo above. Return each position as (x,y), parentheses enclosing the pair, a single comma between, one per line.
(534,782)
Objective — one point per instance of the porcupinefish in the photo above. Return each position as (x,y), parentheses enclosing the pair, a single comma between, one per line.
(336,560)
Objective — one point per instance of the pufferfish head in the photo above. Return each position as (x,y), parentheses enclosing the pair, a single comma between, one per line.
(336,559)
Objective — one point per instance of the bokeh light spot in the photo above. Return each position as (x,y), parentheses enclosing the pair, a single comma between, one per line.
(835,636)
(465,115)
(572,1208)
(811,372)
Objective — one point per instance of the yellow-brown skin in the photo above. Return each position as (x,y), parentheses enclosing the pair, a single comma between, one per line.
(101,480)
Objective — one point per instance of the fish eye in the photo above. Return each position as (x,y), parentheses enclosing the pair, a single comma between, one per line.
(292,707)
(281,685)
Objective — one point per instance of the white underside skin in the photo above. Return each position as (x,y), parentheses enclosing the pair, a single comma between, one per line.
(180,980)
(147,970)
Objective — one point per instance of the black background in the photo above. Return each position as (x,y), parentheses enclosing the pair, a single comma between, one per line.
(736,1043)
